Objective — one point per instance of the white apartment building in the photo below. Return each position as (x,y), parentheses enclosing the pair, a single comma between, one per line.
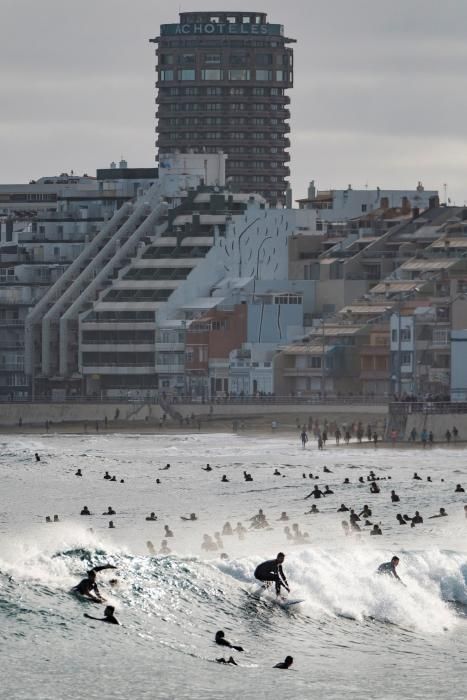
(342,205)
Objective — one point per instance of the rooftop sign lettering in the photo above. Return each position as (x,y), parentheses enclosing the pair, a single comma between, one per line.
(225,28)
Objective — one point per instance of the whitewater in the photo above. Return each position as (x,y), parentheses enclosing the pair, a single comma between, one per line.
(356,635)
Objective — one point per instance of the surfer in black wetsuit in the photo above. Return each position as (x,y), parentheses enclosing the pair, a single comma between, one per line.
(88,586)
(271,570)
(223,642)
(285,664)
(389,568)
(108,616)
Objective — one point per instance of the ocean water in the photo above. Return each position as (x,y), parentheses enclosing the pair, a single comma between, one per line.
(356,635)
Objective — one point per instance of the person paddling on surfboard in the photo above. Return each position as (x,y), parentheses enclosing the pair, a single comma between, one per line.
(223,642)
(271,570)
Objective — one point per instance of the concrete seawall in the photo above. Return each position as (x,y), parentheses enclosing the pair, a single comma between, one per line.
(438,423)
(36,414)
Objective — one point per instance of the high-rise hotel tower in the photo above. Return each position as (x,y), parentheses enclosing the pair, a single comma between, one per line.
(222,79)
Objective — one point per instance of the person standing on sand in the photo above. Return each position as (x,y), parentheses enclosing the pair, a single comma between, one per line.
(424,437)
(304,437)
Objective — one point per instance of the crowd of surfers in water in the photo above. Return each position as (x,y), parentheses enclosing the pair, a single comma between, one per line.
(360,519)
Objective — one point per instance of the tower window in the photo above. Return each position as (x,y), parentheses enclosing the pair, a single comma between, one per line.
(211,74)
(239,74)
(187,74)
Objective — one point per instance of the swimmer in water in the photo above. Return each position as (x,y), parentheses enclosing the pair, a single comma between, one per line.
(207,468)
(227,529)
(223,642)
(165,549)
(36,455)
(231,660)
(389,568)
(271,570)
(108,616)
(442,513)
(150,547)
(78,472)
(152,517)
(317,493)
(313,509)
(110,511)
(88,587)
(163,469)
(85,511)
(287,663)
(192,517)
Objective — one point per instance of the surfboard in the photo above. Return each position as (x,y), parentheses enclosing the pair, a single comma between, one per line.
(288,603)
(266,594)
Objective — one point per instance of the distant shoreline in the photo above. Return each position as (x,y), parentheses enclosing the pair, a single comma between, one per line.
(249,431)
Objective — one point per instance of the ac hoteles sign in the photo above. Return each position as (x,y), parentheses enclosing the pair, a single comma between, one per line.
(216,28)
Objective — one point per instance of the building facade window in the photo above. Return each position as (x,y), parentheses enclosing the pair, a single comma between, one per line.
(211,74)
(239,74)
(187,74)
(212,58)
(313,362)
(166,75)
(238,59)
(405,334)
(406,358)
(263,75)
(263,59)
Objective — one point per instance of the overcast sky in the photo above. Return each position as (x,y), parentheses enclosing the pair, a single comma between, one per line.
(379,99)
